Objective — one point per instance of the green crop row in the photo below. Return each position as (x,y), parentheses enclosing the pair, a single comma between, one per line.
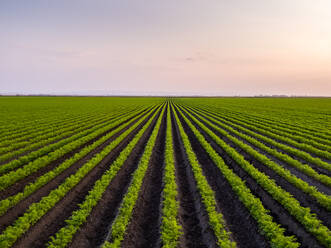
(37,210)
(291,132)
(284,157)
(216,219)
(288,149)
(9,141)
(170,228)
(64,236)
(27,128)
(35,129)
(44,179)
(283,132)
(265,115)
(76,141)
(20,116)
(269,228)
(119,225)
(49,144)
(50,134)
(302,214)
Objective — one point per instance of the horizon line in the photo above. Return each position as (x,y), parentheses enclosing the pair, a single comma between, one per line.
(154,95)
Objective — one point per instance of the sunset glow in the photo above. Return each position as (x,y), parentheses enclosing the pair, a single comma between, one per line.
(171,47)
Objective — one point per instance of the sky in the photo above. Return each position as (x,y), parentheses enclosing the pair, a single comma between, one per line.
(157,47)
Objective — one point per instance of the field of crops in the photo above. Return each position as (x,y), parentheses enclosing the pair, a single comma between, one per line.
(165,172)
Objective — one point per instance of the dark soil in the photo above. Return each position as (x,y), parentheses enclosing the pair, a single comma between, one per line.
(244,228)
(55,141)
(19,186)
(315,167)
(38,235)
(278,212)
(21,207)
(305,200)
(144,228)
(192,214)
(94,231)
(311,181)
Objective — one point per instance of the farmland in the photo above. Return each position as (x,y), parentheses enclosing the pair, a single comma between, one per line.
(165,172)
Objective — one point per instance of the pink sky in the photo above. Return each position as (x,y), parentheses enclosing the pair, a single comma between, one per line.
(166,47)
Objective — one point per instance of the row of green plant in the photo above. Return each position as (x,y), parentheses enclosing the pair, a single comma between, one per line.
(47,148)
(309,220)
(64,236)
(216,218)
(19,117)
(34,129)
(25,128)
(170,227)
(18,113)
(51,129)
(267,117)
(292,148)
(76,141)
(283,132)
(305,168)
(122,219)
(291,131)
(302,116)
(10,141)
(37,210)
(49,144)
(47,177)
(52,134)
(269,228)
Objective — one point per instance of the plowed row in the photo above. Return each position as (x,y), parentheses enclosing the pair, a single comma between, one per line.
(164,173)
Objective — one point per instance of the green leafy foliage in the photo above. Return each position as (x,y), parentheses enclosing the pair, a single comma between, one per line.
(302,214)
(170,228)
(216,219)
(118,227)
(44,179)
(37,210)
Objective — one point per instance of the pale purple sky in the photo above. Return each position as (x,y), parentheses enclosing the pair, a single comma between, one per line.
(213,47)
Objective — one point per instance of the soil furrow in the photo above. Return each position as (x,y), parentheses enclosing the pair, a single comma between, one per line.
(304,199)
(95,230)
(311,181)
(279,213)
(244,228)
(144,227)
(20,208)
(53,142)
(192,214)
(19,186)
(38,235)
(317,168)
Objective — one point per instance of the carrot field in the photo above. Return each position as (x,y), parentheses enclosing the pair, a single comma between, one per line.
(165,172)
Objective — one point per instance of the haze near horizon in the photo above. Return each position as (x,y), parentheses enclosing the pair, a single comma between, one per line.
(189,47)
